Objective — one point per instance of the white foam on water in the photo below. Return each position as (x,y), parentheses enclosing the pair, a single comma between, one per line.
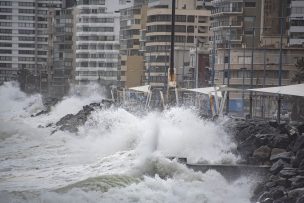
(35,162)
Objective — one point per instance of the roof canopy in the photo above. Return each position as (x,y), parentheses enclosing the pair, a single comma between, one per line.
(295,90)
(145,88)
(207,90)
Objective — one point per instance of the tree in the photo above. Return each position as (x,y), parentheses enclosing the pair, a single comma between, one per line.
(297,112)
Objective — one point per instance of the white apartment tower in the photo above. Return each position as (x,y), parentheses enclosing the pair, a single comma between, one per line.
(97,41)
(296,20)
(24,36)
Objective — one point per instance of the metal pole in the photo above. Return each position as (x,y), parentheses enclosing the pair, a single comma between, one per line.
(213,60)
(243,96)
(183,74)
(172,41)
(228,75)
(251,76)
(280,66)
(196,61)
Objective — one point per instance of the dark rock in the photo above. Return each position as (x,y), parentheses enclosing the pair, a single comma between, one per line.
(71,122)
(266,195)
(276,151)
(262,153)
(278,166)
(299,144)
(270,184)
(300,199)
(285,156)
(286,183)
(280,141)
(260,187)
(284,199)
(267,200)
(296,193)
(297,181)
(40,113)
(301,128)
(299,157)
(277,193)
(301,166)
(288,172)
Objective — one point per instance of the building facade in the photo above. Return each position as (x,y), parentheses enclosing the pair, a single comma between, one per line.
(24,40)
(296,24)
(132,22)
(97,41)
(191,30)
(60,51)
(252,44)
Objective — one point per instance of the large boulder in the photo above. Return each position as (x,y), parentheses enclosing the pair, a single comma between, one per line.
(285,156)
(297,181)
(278,166)
(276,151)
(298,158)
(262,153)
(280,141)
(288,172)
(299,143)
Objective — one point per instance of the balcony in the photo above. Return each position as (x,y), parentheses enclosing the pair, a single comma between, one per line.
(226,24)
(227,11)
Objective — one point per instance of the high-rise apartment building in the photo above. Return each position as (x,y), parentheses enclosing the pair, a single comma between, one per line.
(296,24)
(191,30)
(132,24)
(60,50)
(24,39)
(250,37)
(97,41)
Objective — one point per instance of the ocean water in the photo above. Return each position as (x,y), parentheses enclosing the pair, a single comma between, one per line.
(117,156)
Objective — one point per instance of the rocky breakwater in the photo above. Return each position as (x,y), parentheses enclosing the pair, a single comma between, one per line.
(279,146)
(71,122)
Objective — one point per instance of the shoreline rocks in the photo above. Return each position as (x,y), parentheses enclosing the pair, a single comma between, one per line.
(281,147)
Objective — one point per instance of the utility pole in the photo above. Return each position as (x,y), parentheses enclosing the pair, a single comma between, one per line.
(280,65)
(251,75)
(172,41)
(213,60)
(228,75)
(196,61)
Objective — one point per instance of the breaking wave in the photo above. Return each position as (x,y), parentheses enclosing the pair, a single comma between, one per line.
(116,156)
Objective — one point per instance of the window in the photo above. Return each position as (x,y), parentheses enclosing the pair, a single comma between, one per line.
(5,17)
(5,24)
(26,18)
(190,19)
(5,51)
(246,60)
(26,52)
(26,45)
(5,44)
(30,11)
(5,10)
(26,59)
(250,4)
(26,31)
(25,24)
(5,58)
(41,52)
(5,37)
(5,3)
(26,38)
(5,31)
(249,19)
(5,65)
(26,4)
